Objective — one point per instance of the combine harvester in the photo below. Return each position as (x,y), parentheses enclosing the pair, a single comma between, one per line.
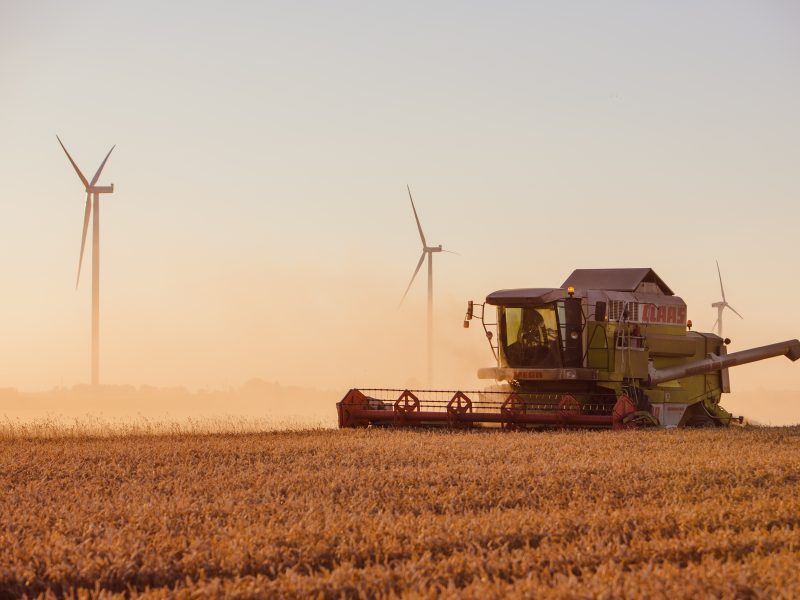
(609,348)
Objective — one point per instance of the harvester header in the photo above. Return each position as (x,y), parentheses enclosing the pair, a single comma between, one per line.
(608,348)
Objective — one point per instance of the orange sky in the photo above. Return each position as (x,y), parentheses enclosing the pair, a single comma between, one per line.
(260,226)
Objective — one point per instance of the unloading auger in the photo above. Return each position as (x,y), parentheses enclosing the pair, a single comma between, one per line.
(609,348)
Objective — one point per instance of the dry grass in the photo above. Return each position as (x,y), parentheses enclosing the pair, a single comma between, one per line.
(400,513)
(60,426)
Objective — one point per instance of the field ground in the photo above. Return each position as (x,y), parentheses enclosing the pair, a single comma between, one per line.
(403,513)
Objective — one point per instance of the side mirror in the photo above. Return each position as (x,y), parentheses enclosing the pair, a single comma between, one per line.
(468,316)
(600,311)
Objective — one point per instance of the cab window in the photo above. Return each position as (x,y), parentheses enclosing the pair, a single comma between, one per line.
(530,336)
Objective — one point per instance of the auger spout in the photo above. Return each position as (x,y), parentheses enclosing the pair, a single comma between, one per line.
(714,362)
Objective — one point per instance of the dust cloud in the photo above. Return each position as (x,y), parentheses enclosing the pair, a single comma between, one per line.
(280,343)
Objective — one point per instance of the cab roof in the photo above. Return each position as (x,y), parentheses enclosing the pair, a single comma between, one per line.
(526,296)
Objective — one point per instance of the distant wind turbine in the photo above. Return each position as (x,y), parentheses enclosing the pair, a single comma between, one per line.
(721,306)
(426,251)
(93,192)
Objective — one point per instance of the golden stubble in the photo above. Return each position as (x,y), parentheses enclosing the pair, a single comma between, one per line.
(396,513)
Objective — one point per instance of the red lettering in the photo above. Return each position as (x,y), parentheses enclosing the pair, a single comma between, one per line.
(646,312)
(682,315)
(672,314)
(662,314)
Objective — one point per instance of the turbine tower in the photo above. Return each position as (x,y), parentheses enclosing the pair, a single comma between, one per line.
(93,192)
(427,251)
(721,306)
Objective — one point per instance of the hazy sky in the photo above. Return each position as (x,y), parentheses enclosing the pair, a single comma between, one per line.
(260,224)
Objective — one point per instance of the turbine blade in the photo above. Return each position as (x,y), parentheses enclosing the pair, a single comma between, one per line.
(734,311)
(102,164)
(86,213)
(419,264)
(414,208)
(715,324)
(721,289)
(74,166)
(451,252)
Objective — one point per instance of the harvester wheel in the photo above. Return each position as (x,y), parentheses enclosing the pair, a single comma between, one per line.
(512,407)
(700,418)
(459,404)
(406,403)
(569,406)
(702,423)
(641,418)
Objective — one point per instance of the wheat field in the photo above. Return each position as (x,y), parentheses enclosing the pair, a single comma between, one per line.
(372,513)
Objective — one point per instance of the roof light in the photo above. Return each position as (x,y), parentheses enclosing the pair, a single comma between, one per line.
(571,291)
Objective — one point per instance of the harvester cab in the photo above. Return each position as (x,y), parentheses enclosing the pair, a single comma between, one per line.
(597,320)
(608,348)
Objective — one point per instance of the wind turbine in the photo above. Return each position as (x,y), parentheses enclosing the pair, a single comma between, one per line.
(426,251)
(93,192)
(721,306)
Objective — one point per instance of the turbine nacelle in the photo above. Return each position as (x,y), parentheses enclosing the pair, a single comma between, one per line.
(91,189)
(426,251)
(721,305)
(90,186)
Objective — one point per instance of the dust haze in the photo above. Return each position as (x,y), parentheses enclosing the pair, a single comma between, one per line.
(277,344)
(283,345)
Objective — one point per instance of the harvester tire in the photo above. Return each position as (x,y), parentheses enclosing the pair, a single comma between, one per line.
(640,418)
